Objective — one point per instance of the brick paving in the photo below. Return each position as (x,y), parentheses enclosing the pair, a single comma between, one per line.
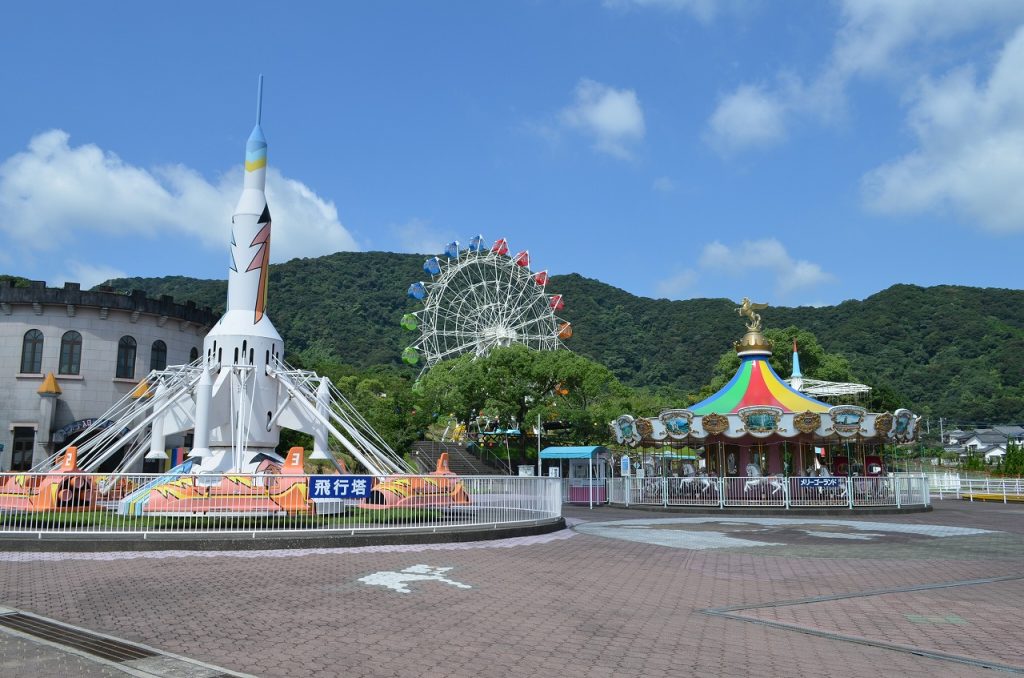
(574,604)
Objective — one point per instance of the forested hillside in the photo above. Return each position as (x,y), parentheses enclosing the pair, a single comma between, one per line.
(948,351)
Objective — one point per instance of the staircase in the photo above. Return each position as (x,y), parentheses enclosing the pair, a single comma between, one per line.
(460,460)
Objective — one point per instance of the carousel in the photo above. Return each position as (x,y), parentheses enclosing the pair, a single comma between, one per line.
(761,440)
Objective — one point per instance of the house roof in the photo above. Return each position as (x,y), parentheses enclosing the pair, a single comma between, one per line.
(988,437)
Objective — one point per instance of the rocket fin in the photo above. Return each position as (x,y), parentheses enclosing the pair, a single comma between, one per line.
(293,462)
(69,464)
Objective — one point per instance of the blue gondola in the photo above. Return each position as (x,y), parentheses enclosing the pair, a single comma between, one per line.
(417,290)
(432,266)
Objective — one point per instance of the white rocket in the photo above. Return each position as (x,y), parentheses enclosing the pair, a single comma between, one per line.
(243,345)
(244,394)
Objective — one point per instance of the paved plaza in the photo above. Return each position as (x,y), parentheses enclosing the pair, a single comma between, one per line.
(620,593)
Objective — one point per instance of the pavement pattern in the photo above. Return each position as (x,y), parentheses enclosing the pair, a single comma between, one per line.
(619,593)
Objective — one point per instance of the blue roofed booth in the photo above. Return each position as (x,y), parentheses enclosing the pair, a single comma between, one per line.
(589,470)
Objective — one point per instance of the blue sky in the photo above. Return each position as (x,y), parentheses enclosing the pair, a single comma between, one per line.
(793,152)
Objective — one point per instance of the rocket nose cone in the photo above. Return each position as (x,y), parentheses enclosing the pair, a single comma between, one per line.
(255,155)
(256,140)
(257,135)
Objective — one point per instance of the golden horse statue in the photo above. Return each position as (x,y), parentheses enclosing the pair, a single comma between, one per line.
(747,309)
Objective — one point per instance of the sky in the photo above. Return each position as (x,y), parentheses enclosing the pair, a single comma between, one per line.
(797,152)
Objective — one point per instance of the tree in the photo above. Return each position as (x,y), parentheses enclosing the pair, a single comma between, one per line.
(516,383)
(1013,462)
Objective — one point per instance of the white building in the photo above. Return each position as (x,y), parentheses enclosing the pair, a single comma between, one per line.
(97,346)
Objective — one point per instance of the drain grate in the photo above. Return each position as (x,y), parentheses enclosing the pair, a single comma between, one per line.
(96,645)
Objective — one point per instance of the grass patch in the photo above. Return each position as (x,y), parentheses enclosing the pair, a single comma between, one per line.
(107,521)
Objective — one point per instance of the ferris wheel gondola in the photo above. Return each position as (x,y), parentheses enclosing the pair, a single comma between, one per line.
(479,298)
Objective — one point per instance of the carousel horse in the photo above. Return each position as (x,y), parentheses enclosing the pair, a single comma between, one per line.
(707,482)
(700,482)
(754,479)
(689,474)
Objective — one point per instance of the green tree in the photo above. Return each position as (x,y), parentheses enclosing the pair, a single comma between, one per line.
(1013,462)
(516,383)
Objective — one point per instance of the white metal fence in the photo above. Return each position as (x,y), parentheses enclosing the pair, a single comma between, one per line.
(772,491)
(943,482)
(1006,489)
(82,503)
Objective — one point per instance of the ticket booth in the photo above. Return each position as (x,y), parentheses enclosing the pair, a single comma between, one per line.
(589,469)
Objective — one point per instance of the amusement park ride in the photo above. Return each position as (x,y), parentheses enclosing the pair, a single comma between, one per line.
(765,425)
(479,298)
(236,397)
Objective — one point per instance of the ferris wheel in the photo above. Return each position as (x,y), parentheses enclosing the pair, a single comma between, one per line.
(479,298)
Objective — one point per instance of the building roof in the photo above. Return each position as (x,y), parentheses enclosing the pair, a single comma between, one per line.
(72,295)
(571,452)
(756,383)
(987,436)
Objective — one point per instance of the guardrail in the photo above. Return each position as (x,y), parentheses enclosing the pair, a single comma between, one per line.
(81,503)
(772,491)
(988,489)
(943,482)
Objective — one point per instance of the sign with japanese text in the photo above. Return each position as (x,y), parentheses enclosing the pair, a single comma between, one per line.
(831,481)
(340,487)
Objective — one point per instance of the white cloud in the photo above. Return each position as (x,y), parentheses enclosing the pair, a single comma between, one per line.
(701,10)
(875,39)
(750,117)
(87,275)
(762,265)
(417,236)
(52,191)
(612,117)
(755,257)
(678,285)
(875,32)
(664,185)
(970,154)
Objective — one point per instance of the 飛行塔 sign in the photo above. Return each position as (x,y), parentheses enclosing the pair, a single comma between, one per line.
(340,487)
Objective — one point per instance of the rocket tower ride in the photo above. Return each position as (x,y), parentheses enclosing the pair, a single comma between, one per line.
(244,345)
(240,393)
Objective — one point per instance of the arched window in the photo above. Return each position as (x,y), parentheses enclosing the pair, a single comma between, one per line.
(126,358)
(193,355)
(158,356)
(32,352)
(70,353)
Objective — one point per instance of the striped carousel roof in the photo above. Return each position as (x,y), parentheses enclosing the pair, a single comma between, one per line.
(756,384)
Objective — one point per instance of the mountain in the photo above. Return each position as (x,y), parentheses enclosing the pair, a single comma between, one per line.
(948,351)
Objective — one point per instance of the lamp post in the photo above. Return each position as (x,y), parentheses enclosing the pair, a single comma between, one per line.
(538,446)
